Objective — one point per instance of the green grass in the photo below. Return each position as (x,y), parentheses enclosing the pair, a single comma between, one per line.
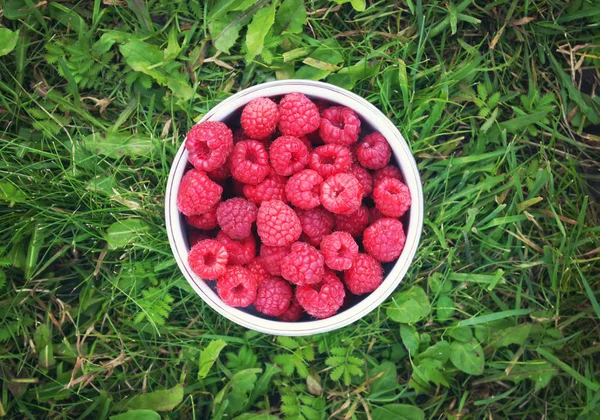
(499,314)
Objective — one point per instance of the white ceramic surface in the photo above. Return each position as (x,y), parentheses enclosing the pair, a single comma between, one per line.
(369,114)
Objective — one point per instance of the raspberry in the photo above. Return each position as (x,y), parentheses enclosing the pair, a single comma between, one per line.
(339,250)
(208,259)
(208,144)
(339,125)
(364,276)
(288,155)
(259,118)
(236,216)
(306,142)
(364,177)
(353,223)
(196,236)
(249,162)
(277,224)
(240,252)
(330,159)
(271,257)
(303,188)
(316,223)
(197,193)
(257,268)
(323,299)
(374,215)
(389,171)
(303,265)
(297,115)
(293,313)
(392,197)
(341,193)
(374,152)
(237,286)
(384,240)
(204,221)
(271,188)
(273,296)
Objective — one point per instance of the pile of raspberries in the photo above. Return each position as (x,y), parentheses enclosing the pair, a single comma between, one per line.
(324,206)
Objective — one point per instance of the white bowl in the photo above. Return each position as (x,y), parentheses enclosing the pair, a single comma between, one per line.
(413,220)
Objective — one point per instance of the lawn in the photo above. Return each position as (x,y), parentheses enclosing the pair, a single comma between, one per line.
(499,103)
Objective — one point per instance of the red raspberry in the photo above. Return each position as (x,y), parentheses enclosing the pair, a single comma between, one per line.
(339,125)
(339,250)
(197,193)
(306,142)
(330,159)
(240,252)
(277,223)
(288,155)
(303,265)
(341,193)
(257,268)
(384,239)
(208,144)
(365,275)
(273,297)
(237,286)
(353,223)
(271,188)
(271,257)
(204,221)
(249,162)
(364,177)
(208,259)
(293,313)
(392,197)
(316,223)
(195,236)
(259,118)
(221,173)
(303,188)
(374,152)
(323,299)
(236,216)
(389,171)
(374,215)
(297,115)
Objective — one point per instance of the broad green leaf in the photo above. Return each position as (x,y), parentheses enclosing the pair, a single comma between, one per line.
(173,47)
(439,284)
(463,334)
(102,184)
(41,337)
(445,308)
(137,415)
(124,232)
(262,384)
(117,144)
(398,412)
(16,9)
(12,194)
(349,76)
(8,40)
(46,356)
(244,380)
(410,338)
(539,371)
(409,306)
(290,17)
(428,370)
(467,357)
(224,6)
(387,383)
(439,351)
(165,400)
(358,5)
(256,416)
(513,335)
(328,52)
(226,30)
(258,29)
(209,356)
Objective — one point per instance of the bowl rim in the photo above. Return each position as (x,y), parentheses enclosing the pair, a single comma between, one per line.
(403,156)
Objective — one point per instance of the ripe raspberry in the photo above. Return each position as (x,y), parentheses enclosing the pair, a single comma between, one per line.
(208,259)
(303,188)
(237,286)
(249,162)
(330,159)
(364,177)
(374,152)
(392,197)
(288,155)
(341,193)
(353,223)
(240,252)
(221,173)
(303,265)
(384,240)
(389,171)
(297,115)
(259,118)
(273,297)
(271,257)
(204,221)
(293,313)
(236,216)
(271,188)
(306,142)
(257,268)
(339,125)
(208,144)
(364,276)
(374,215)
(339,250)
(323,299)
(316,223)
(197,193)
(195,236)
(277,223)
